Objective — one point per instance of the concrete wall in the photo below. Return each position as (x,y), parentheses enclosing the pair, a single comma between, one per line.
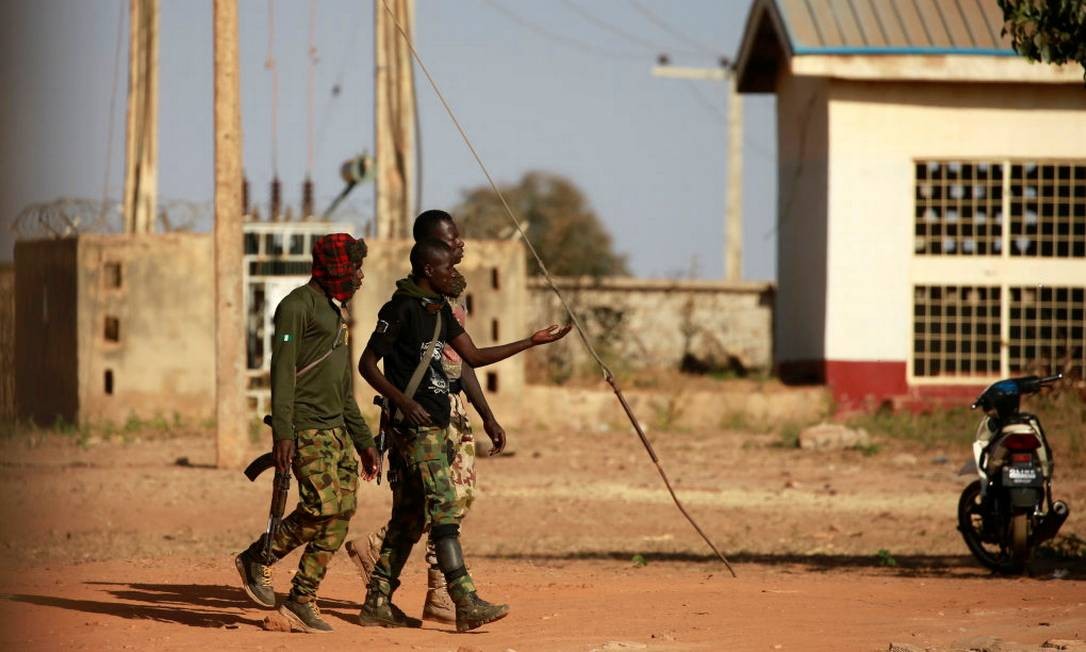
(637,323)
(46,318)
(7,343)
(157,359)
(877,130)
(484,262)
(802,267)
(163,362)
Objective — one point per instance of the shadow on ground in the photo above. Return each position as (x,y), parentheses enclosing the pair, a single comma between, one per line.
(925,566)
(195,605)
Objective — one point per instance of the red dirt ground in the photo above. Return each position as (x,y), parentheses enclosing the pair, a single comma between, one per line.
(115,546)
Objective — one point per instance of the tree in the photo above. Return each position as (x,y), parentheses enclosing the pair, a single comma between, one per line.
(555,214)
(1052,31)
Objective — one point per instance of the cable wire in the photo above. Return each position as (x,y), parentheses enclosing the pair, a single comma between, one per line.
(607,374)
(111,117)
(269,64)
(662,24)
(582,46)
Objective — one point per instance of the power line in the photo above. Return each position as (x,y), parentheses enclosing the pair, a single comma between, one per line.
(582,46)
(662,24)
(608,27)
(111,117)
(337,87)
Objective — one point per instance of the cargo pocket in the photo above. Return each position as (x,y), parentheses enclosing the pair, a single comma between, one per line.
(421,444)
(348,483)
(318,481)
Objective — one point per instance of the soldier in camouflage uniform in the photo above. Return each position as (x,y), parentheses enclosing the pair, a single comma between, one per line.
(423,491)
(315,424)
(364,551)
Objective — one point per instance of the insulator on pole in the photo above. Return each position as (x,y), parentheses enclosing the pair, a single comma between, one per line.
(275,211)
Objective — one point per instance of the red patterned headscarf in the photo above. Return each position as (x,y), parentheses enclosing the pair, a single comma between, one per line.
(335,258)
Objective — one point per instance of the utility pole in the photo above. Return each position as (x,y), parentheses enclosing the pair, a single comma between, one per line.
(733,206)
(230,419)
(394,120)
(141,126)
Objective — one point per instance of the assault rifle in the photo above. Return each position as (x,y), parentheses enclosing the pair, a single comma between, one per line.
(280,489)
(381,440)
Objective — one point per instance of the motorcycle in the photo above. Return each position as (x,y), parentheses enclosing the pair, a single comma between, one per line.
(1009,510)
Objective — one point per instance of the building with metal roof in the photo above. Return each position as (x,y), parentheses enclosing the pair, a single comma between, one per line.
(931,220)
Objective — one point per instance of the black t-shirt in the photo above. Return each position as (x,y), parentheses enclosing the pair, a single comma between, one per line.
(404,330)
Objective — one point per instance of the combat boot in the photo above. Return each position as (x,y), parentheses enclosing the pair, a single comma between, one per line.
(256,580)
(303,614)
(439,606)
(378,611)
(472,612)
(365,551)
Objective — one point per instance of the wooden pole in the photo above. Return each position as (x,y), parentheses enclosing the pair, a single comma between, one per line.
(394,121)
(230,418)
(733,214)
(141,129)
(733,202)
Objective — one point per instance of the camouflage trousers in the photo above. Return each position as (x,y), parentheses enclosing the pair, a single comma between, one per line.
(327,474)
(423,495)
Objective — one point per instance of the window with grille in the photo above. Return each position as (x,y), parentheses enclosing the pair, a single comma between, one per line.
(1048,209)
(956,330)
(1048,330)
(959,208)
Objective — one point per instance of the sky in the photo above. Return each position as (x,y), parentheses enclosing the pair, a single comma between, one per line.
(562,86)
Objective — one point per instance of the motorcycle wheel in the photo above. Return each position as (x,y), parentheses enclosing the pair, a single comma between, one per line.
(1019,541)
(990,554)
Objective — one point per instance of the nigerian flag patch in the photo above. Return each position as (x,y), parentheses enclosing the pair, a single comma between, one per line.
(286,337)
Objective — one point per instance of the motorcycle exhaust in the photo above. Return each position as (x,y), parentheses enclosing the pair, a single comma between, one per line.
(1052,521)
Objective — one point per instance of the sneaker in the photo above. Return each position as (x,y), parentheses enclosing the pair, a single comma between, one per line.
(256,580)
(474,612)
(378,611)
(305,616)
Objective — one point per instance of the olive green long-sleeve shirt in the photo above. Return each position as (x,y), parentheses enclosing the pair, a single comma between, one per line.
(307,326)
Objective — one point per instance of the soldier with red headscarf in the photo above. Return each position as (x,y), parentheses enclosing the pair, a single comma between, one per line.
(315,424)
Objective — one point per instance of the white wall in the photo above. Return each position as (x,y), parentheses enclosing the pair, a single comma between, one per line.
(876,130)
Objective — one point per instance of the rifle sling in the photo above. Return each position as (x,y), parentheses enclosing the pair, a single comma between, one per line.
(416,378)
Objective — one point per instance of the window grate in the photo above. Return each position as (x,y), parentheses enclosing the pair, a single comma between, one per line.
(956,330)
(959,208)
(1048,330)
(1048,209)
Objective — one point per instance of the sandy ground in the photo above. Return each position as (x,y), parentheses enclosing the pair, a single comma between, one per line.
(114,545)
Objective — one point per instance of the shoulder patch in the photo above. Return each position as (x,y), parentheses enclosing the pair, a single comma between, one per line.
(286,337)
(382,326)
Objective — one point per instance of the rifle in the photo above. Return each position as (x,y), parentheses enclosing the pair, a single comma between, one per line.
(280,489)
(381,440)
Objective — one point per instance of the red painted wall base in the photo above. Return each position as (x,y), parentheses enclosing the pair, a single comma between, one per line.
(866,384)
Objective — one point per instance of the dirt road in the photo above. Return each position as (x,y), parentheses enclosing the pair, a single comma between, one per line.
(114,545)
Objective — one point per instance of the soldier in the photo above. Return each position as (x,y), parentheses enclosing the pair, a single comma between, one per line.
(315,421)
(364,551)
(408,328)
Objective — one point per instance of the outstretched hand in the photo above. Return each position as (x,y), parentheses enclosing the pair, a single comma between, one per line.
(552,333)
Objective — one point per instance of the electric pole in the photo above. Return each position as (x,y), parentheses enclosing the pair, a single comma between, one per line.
(230,418)
(394,120)
(141,125)
(733,203)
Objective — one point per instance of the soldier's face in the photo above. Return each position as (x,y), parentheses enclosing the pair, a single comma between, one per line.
(447,232)
(442,274)
(358,276)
